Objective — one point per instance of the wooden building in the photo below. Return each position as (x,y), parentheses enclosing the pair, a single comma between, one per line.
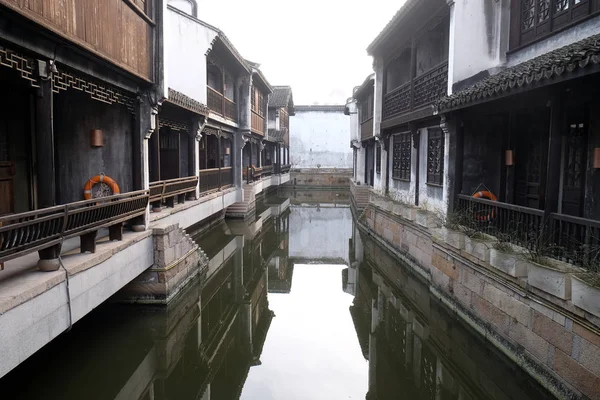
(79,107)
(411,72)
(281,108)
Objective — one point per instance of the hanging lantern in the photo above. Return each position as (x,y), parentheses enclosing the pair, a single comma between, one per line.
(509,158)
(97,138)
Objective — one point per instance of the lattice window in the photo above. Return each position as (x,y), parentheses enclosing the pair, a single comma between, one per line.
(575,153)
(378,158)
(402,152)
(258,101)
(539,18)
(435,156)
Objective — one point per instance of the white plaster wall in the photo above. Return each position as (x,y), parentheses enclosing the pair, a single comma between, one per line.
(478,37)
(187,41)
(320,140)
(183,5)
(317,233)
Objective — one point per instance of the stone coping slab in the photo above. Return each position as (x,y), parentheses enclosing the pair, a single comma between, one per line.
(21,280)
(165,212)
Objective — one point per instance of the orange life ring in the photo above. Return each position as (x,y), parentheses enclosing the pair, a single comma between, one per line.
(490,196)
(87,189)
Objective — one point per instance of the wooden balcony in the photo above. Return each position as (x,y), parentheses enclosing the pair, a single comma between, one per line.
(119,31)
(258,124)
(418,93)
(267,170)
(221,105)
(285,168)
(168,190)
(366,129)
(566,237)
(32,231)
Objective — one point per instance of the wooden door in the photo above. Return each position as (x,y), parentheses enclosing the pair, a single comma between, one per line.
(169,154)
(573,167)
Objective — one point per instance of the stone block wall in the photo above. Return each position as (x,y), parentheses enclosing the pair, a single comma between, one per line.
(556,342)
(320,178)
(177,261)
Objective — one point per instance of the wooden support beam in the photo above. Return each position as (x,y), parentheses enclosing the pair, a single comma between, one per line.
(88,242)
(115,232)
(44,135)
(552,181)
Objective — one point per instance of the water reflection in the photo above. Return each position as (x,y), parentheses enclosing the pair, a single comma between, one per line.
(415,345)
(269,320)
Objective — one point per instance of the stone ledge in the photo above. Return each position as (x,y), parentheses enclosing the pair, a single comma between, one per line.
(26,282)
(189,204)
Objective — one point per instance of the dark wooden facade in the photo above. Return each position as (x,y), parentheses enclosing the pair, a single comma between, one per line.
(120,31)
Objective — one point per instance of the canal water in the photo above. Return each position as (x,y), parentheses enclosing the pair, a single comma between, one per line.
(285,310)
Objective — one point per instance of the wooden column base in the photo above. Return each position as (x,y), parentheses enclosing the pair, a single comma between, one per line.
(115,232)
(49,258)
(88,242)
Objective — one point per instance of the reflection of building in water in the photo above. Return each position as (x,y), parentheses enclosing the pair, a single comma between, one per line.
(416,346)
(200,346)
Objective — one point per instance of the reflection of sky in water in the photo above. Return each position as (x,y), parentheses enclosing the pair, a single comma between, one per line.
(311,350)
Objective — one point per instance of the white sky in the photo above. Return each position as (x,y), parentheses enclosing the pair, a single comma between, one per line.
(316,46)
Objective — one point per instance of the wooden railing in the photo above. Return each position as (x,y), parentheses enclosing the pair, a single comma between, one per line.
(209,180)
(366,129)
(572,239)
(215,179)
(258,123)
(417,93)
(221,105)
(230,109)
(31,231)
(267,170)
(215,100)
(285,168)
(167,190)
(226,177)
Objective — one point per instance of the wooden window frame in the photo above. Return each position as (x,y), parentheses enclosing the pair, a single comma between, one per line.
(402,157)
(378,158)
(544,22)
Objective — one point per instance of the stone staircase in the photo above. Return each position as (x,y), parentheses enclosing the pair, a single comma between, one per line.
(360,195)
(242,208)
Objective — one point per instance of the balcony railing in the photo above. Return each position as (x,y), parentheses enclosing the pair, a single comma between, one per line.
(168,190)
(230,109)
(32,231)
(366,129)
(209,180)
(568,238)
(267,170)
(419,92)
(215,101)
(215,179)
(285,168)
(221,105)
(258,123)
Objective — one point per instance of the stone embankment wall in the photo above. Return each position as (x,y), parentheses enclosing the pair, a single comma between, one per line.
(320,178)
(532,320)
(177,261)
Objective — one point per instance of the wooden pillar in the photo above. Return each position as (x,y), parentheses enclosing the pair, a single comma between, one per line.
(44,135)
(191,153)
(554,154)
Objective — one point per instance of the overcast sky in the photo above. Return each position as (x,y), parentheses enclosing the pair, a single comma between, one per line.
(316,46)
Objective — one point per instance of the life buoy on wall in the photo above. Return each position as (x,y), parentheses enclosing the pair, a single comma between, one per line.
(87,189)
(485,194)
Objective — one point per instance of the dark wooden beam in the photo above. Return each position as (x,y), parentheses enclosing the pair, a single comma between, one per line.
(44,124)
(552,181)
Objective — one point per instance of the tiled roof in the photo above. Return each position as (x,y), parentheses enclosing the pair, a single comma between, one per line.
(368,83)
(186,102)
(551,65)
(281,97)
(406,7)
